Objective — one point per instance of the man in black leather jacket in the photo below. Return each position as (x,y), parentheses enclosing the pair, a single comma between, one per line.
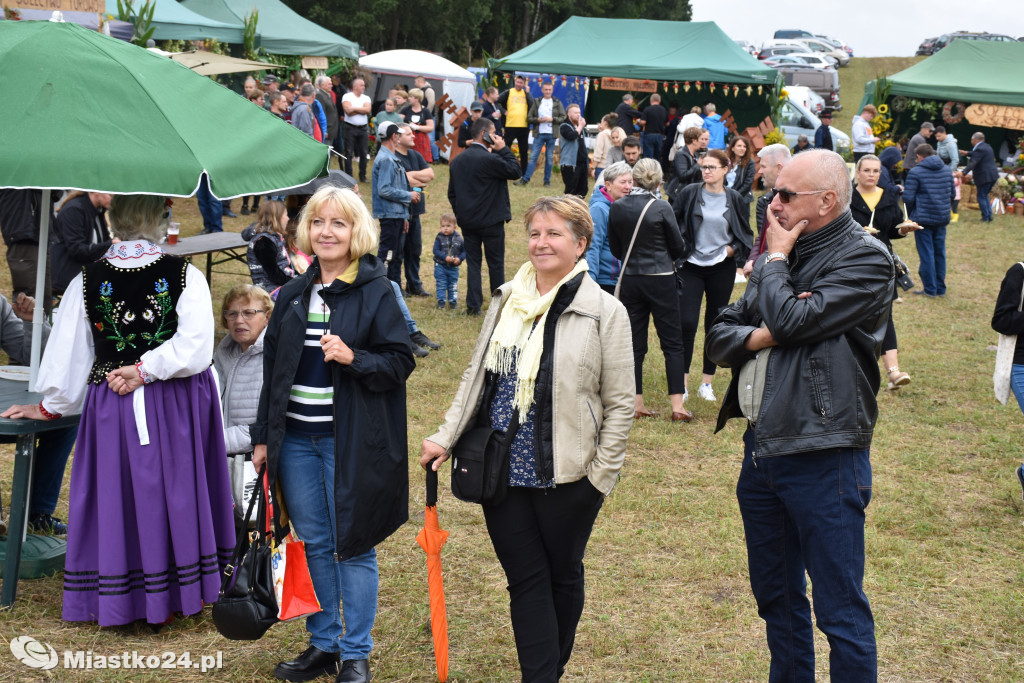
(803,343)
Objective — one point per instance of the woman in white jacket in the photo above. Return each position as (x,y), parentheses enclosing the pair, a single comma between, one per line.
(557,350)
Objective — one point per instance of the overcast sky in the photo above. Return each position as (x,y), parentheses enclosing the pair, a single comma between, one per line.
(872,29)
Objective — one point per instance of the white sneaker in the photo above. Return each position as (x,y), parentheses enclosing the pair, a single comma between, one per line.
(706,392)
(739,279)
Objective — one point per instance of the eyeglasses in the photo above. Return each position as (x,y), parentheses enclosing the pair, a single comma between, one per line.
(711,169)
(247,314)
(787,195)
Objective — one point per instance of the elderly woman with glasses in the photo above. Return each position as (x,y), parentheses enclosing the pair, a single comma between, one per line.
(239,364)
(715,223)
(150,502)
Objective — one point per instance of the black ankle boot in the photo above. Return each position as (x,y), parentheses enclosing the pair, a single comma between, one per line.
(354,671)
(311,664)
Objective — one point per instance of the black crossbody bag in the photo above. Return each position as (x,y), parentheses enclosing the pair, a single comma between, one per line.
(480,456)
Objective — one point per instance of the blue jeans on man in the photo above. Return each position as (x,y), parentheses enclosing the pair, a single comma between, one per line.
(307,483)
(547,141)
(210,207)
(983,200)
(931,250)
(446,280)
(805,512)
(652,145)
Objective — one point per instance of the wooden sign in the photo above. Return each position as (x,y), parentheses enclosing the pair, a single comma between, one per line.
(629,84)
(996,116)
(319,63)
(92,6)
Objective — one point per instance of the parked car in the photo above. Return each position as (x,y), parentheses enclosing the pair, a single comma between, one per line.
(787,34)
(926,47)
(747,47)
(772,49)
(795,120)
(947,38)
(837,43)
(818,61)
(807,98)
(825,82)
(819,46)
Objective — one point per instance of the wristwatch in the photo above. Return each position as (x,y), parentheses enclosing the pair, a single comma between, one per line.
(777,256)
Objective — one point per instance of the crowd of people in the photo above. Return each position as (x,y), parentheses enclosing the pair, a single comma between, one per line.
(309,381)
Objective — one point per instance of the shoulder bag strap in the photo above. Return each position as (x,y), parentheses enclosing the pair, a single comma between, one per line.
(243,535)
(1020,306)
(622,271)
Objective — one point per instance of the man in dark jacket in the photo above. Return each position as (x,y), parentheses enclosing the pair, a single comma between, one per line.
(478,192)
(803,343)
(80,236)
(982,167)
(324,86)
(20,213)
(655,119)
(929,196)
(823,135)
(627,114)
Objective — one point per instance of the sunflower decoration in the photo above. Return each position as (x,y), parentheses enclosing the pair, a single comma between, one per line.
(883,109)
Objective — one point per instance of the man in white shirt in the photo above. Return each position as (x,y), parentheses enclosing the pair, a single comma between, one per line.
(546,115)
(356,133)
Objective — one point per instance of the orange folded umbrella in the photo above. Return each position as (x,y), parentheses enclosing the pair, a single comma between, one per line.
(432,538)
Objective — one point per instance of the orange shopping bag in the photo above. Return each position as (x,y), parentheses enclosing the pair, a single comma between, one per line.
(292,583)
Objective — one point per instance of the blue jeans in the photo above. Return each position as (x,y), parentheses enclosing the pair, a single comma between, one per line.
(547,141)
(410,324)
(983,201)
(1016,383)
(434,151)
(307,481)
(446,279)
(652,145)
(806,512)
(210,207)
(52,451)
(931,249)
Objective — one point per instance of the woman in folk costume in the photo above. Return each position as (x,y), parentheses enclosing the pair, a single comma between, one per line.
(150,520)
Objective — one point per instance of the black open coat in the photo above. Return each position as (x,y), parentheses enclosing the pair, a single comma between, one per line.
(371,483)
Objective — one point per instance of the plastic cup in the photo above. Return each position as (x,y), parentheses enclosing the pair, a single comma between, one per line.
(172,233)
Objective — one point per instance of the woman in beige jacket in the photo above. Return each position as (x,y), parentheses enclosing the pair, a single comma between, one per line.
(557,349)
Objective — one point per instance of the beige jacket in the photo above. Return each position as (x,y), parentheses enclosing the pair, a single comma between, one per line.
(593,393)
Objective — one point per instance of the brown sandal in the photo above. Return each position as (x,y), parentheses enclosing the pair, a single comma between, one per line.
(637,414)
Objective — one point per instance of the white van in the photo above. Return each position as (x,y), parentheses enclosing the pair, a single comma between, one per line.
(796,120)
(804,96)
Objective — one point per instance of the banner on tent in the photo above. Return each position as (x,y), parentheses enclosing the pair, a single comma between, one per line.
(92,6)
(629,84)
(996,116)
(319,63)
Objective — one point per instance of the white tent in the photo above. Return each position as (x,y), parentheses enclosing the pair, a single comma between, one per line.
(402,66)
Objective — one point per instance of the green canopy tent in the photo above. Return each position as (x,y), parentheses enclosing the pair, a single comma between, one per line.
(279,30)
(172,21)
(967,72)
(669,52)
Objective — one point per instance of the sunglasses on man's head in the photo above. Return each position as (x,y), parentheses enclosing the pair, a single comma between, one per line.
(787,195)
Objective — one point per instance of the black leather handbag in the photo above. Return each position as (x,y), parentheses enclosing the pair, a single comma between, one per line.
(247,606)
(480,458)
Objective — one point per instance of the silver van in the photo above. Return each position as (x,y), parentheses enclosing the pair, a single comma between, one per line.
(797,120)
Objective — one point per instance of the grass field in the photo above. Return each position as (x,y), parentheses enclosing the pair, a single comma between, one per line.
(667,597)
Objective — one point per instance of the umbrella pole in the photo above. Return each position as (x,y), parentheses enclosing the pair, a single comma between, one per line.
(37,312)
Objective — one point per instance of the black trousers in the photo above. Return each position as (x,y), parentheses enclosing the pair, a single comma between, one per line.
(575,179)
(540,537)
(522,136)
(389,250)
(713,282)
(647,296)
(491,239)
(412,247)
(357,144)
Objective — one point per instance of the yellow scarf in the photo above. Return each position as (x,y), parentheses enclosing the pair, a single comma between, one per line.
(513,346)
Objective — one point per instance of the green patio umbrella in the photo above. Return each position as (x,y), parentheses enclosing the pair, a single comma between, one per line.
(94,113)
(89,112)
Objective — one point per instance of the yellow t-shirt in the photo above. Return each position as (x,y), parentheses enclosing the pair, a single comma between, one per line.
(517,109)
(872,198)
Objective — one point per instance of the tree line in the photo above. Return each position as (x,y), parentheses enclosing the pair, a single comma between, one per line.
(466,31)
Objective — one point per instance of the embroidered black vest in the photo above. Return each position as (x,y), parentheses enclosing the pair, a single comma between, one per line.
(131,310)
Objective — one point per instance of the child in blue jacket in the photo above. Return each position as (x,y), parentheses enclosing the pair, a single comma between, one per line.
(449,252)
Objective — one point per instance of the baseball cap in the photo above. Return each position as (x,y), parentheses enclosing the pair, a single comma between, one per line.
(386,130)
(476,106)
